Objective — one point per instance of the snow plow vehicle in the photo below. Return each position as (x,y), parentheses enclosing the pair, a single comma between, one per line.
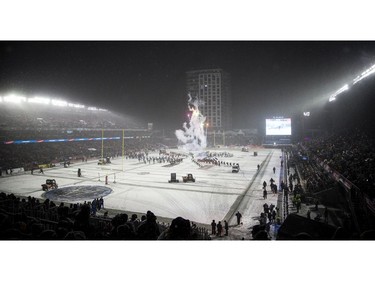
(235,168)
(188,178)
(50,184)
(104,161)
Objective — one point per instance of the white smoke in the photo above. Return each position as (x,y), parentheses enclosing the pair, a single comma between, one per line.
(192,137)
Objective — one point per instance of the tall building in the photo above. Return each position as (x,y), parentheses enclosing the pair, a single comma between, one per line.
(213,87)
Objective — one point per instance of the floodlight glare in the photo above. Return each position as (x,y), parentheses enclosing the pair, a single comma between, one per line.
(76,105)
(344,88)
(364,74)
(306,113)
(339,91)
(14,98)
(59,103)
(39,100)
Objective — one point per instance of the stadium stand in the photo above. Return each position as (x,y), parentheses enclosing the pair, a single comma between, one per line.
(34,219)
(28,116)
(68,128)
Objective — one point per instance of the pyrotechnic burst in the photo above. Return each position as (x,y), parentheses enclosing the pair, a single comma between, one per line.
(192,137)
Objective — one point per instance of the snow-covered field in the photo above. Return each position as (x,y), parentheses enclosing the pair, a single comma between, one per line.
(216,194)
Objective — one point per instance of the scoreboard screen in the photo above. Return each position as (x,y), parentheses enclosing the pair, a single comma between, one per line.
(279,127)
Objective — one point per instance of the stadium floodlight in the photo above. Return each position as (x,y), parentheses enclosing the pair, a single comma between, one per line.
(343,89)
(39,100)
(307,113)
(339,91)
(76,105)
(59,103)
(102,109)
(331,98)
(92,108)
(12,98)
(364,74)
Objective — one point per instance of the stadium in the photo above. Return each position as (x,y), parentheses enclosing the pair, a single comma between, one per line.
(72,171)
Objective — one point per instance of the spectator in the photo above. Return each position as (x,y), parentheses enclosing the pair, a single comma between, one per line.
(125,232)
(261,235)
(178,230)
(82,221)
(264,194)
(239,216)
(219,228)
(75,235)
(93,207)
(226,227)
(213,227)
(135,221)
(149,230)
(101,202)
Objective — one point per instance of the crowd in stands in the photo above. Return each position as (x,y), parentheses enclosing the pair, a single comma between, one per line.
(36,116)
(31,155)
(31,219)
(315,178)
(29,121)
(324,162)
(39,134)
(352,154)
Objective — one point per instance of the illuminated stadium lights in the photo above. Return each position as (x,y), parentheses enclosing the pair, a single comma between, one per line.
(14,98)
(59,103)
(332,98)
(339,91)
(39,100)
(76,105)
(364,74)
(306,113)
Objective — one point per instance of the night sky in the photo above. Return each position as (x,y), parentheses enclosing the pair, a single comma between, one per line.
(146,79)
